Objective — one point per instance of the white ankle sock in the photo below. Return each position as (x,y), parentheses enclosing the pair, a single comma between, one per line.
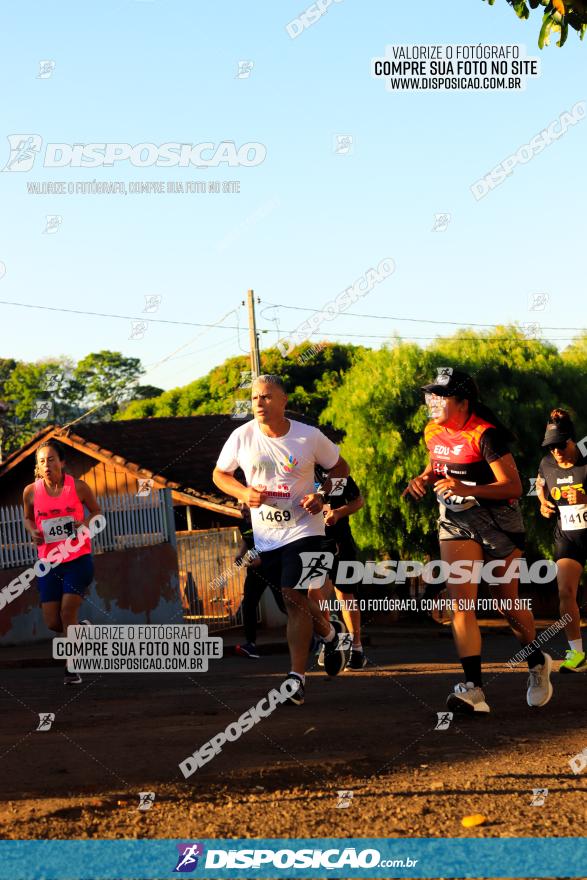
(297,675)
(330,635)
(576,645)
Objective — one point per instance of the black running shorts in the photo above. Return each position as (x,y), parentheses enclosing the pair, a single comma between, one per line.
(342,551)
(298,565)
(569,546)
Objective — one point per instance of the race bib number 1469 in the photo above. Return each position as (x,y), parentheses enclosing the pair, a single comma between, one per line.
(270,517)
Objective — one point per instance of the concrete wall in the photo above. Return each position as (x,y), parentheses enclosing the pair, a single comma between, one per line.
(130,586)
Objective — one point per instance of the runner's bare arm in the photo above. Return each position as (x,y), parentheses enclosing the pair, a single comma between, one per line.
(575,496)
(340,469)
(507,482)
(547,508)
(87,497)
(228,484)
(417,487)
(345,510)
(29,513)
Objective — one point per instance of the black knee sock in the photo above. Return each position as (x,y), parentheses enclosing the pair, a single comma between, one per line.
(472,669)
(535,658)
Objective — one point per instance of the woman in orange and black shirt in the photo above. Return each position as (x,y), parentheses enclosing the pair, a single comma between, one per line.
(477,486)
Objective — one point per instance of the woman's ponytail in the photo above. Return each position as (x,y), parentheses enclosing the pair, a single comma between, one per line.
(562,419)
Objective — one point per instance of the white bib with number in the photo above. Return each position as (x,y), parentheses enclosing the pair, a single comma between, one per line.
(57,528)
(274,516)
(458,503)
(573,517)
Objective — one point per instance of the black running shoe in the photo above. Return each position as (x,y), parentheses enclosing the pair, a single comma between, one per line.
(357,660)
(297,697)
(334,657)
(72,678)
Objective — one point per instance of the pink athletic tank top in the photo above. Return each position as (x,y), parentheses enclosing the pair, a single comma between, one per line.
(54,517)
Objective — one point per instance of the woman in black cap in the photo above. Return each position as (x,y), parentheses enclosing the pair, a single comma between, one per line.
(477,486)
(561,488)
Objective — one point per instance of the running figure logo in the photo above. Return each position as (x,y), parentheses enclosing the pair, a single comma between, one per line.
(138,329)
(343,144)
(53,222)
(23,151)
(152,302)
(46,69)
(242,409)
(46,719)
(539,795)
(146,800)
(537,302)
(189,853)
(52,382)
(443,375)
(144,488)
(338,486)
(315,568)
(245,68)
(441,222)
(43,410)
(444,719)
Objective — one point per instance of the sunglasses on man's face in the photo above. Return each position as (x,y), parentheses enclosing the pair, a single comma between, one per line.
(558,447)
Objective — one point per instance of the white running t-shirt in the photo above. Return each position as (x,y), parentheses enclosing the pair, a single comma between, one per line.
(283,467)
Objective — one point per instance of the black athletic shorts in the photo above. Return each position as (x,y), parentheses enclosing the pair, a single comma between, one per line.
(342,551)
(286,568)
(569,546)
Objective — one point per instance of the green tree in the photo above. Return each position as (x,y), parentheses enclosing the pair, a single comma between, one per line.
(37,394)
(380,406)
(309,380)
(106,379)
(558,16)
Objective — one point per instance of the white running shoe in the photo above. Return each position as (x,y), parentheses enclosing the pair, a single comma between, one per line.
(539,685)
(467,698)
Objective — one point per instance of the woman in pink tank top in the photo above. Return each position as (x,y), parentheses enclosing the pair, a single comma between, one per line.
(54,511)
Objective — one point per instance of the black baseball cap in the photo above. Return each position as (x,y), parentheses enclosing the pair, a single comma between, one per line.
(450,382)
(555,434)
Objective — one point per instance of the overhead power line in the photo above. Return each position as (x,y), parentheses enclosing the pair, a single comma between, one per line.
(412,320)
(463,325)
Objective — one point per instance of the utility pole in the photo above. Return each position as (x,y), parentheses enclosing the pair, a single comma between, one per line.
(253,337)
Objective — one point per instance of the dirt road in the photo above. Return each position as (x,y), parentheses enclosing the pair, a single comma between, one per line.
(369,733)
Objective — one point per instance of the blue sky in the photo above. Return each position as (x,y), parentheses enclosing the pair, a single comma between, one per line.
(307,222)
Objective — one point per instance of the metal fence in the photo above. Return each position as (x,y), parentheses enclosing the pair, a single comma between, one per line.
(210,581)
(132,521)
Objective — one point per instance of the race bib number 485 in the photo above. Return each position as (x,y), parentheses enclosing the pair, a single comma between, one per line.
(57,528)
(573,517)
(272,517)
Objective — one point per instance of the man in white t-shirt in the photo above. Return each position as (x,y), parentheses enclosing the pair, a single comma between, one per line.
(277,456)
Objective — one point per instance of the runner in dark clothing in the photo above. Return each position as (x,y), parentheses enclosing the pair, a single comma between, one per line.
(255,586)
(342,498)
(561,487)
